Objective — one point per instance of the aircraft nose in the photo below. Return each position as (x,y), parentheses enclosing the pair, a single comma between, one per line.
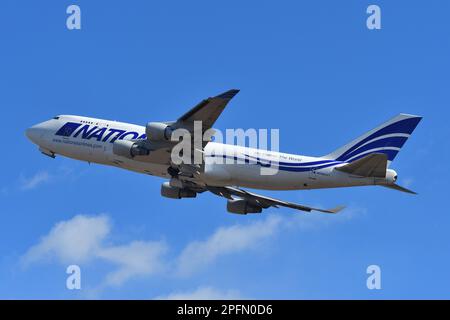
(34,133)
(30,132)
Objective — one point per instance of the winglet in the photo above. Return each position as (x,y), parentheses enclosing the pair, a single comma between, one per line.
(333,211)
(228,95)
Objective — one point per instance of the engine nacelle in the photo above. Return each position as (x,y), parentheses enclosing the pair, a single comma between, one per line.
(158,131)
(176,193)
(241,206)
(129,149)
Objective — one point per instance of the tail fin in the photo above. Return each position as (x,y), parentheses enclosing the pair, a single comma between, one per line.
(387,138)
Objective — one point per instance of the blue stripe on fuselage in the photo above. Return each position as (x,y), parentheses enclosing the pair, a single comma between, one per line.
(294,164)
(268,163)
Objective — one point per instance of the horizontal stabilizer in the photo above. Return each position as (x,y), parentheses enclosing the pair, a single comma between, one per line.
(372,165)
(399,188)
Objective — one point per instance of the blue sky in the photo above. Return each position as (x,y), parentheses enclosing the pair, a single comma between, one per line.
(310,68)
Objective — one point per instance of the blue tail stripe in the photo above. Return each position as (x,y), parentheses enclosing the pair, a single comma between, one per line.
(390,154)
(403,126)
(397,142)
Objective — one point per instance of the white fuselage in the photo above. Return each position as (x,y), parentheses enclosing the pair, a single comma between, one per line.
(91,140)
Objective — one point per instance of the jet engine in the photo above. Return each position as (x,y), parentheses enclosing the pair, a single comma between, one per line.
(129,149)
(176,193)
(241,206)
(158,131)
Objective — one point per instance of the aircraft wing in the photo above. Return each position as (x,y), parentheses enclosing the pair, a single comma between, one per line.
(208,110)
(263,201)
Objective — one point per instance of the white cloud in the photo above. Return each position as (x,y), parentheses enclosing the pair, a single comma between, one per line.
(35,180)
(203,293)
(82,238)
(135,259)
(223,241)
(73,241)
(61,173)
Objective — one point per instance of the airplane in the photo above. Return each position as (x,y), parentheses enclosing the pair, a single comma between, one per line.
(362,162)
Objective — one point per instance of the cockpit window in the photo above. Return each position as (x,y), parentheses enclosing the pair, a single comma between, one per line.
(56,118)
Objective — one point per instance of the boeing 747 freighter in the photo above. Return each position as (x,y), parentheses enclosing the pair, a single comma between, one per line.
(224,169)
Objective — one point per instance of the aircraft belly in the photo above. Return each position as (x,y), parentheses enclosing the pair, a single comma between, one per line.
(146,167)
(251,176)
(217,174)
(153,169)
